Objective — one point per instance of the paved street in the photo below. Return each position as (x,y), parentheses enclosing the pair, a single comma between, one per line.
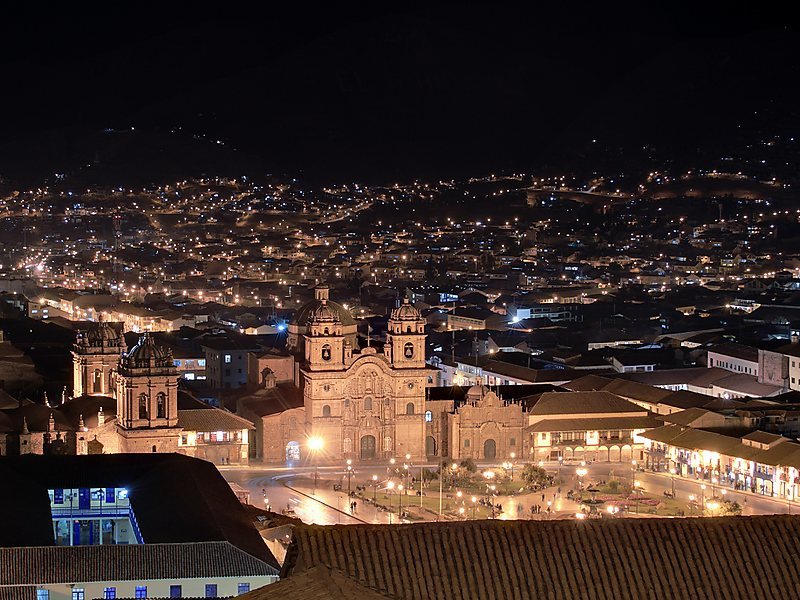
(293,488)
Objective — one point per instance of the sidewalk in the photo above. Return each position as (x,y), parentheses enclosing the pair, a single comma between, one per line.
(728,489)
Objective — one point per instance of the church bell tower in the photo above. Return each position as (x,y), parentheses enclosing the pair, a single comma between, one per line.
(405,340)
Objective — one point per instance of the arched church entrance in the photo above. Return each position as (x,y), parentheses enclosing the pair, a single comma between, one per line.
(292,451)
(368,447)
(489,449)
(430,446)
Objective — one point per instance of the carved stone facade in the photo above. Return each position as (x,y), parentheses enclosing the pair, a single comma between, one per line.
(94,358)
(365,405)
(146,391)
(485,428)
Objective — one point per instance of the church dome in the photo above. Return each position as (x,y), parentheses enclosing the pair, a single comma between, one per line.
(145,354)
(323,314)
(406,312)
(304,314)
(102,334)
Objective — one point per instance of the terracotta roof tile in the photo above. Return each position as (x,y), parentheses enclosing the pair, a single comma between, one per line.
(605,559)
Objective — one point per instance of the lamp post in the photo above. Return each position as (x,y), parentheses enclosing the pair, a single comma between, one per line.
(513,458)
(672,472)
(349,475)
(374,489)
(315,445)
(633,473)
(390,489)
(636,488)
(581,473)
(400,503)
(474,503)
(703,495)
(691,504)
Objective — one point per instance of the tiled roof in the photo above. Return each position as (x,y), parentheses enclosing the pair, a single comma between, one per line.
(211,419)
(271,401)
(607,559)
(687,416)
(685,399)
(556,403)
(317,583)
(587,383)
(600,424)
(636,390)
(69,564)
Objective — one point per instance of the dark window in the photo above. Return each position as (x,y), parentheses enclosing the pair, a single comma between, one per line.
(410,408)
(367,403)
(142,406)
(408,350)
(161,405)
(58,496)
(326,411)
(175,591)
(211,590)
(326,352)
(110,495)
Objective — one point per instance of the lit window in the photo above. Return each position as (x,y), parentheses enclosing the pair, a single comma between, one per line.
(227,358)
(141,592)
(428,416)
(211,590)
(175,591)
(243,588)
(42,594)
(78,594)
(109,593)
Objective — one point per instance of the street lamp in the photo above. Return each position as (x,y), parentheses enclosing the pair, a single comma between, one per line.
(633,473)
(636,489)
(349,475)
(315,445)
(581,473)
(672,471)
(513,458)
(400,502)
(390,489)
(374,488)
(474,503)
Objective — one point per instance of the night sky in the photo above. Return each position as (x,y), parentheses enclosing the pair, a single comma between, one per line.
(383,93)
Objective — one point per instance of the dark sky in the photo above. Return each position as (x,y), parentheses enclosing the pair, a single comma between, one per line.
(391,90)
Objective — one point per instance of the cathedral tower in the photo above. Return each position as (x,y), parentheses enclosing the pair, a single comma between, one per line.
(405,339)
(94,358)
(147,398)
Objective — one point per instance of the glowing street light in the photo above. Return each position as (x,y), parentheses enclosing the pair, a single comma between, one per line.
(315,445)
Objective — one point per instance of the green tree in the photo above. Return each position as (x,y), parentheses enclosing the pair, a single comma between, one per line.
(468,465)
(535,476)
